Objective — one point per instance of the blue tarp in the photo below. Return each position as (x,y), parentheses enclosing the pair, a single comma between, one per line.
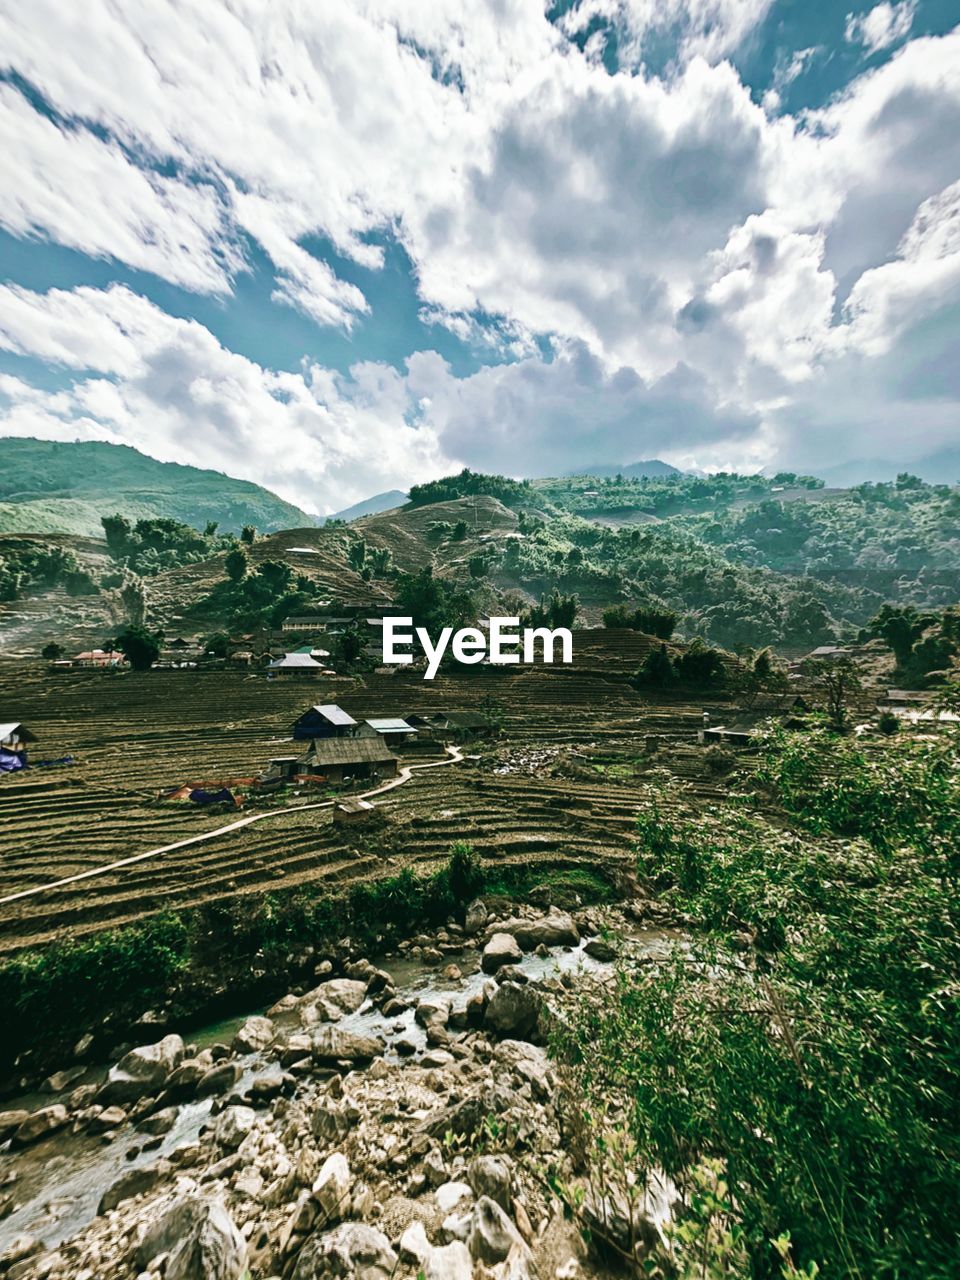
(223,796)
(11,761)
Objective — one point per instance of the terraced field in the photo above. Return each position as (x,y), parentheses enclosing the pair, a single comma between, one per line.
(131,735)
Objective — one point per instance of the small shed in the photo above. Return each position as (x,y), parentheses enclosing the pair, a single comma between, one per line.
(731,736)
(468,724)
(283,767)
(13,746)
(345,759)
(352,813)
(326,720)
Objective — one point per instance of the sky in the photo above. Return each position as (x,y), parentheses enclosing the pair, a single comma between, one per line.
(342,247)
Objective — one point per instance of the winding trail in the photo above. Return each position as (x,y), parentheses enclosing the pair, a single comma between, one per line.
(454,756)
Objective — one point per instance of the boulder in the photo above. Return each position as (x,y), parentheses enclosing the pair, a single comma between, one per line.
(529,1061)
(107,1119)
(490,1176)
(11,1120)
(159,1122)
(345,994)
(448,1262)
(199,1239)
(492,1234)
(60,1081)
(142,1071)
(433,1010)
(331,1190)
(39,1123)
(333,1044)
(134,1183)
(449,1194)
(232,1126)
(351,1250)
(476,917)
(514,1010)
(254,1036)
(600,949)
(502,949)
(20,1248)
(218,1079)
(556,929)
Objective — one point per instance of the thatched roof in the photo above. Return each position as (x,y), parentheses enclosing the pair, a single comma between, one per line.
(346,751)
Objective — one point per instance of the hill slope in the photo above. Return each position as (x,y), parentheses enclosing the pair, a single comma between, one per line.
(53,487)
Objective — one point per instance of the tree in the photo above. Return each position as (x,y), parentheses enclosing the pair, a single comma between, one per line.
(656,671)
(217,645)
(351,644)
(837,683)
(432,602)
(357,554)
(557,610)
(116,530)
(52,651)
(647,618)
(900,627)
(460,530)
(133,597)
(379,561)
(210,528)
(275,576)
(140,647)
(248,534)
(236,564)
(478,566)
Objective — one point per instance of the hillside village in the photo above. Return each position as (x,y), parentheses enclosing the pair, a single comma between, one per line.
(305,956)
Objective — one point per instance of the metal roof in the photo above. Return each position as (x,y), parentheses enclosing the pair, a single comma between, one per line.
(333,713)
(390,726)
(295,660)
(9,729)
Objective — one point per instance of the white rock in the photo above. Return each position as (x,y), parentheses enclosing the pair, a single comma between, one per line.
(332,1187)
(449,1195)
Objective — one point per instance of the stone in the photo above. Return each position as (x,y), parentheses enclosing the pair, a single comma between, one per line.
(556,929)
(40,1123)
(514,1011)
(333,1044)
(490,1176)
(232,1126)
(345,994)
(414,1247)
(18,1249)
(433,1010)
(331,1189)
(448,1262)
(492,1234)
(134,1183)
(352,1249)
(476,916)
(142,1071)
(160,1122)
(449,1194)
(60,1081)
(270,1085)
(531,1063)
(502,949)
(254,1036)
(600,949)
(107,1119)
(83,1046)
(11,1120)
(218,1079)
(199,1240)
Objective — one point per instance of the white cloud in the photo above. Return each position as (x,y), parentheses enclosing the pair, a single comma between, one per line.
(702,265)
(167,387)
(881,26)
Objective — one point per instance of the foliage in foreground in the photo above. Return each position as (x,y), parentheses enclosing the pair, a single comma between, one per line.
(821,1066)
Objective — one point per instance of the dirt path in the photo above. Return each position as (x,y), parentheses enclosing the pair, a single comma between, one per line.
(454,756)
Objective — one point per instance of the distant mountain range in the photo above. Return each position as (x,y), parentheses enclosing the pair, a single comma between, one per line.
(936,468)
(53,487)
(651,467)
(370,506)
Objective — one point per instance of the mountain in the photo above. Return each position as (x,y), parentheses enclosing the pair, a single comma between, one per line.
(936,468)
(65,487)
(651,467)
(371,506)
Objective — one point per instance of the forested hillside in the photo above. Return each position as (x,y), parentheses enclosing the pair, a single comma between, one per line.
(52,487)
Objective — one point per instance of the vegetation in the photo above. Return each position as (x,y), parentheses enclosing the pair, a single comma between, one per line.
(432,602)
(696,667)
(66,487)
(148,546)
(469,484)
(654,622)
(140,647)
(802,1056)
(31,565)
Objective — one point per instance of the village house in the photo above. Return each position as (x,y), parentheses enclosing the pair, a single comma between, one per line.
(99,658)
(297,664)
(393,730)
(342,760)
(325,721)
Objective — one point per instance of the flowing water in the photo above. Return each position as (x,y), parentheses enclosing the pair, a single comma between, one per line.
(60,1180)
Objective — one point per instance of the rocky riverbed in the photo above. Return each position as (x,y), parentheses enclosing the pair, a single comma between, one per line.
(397,1119)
